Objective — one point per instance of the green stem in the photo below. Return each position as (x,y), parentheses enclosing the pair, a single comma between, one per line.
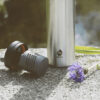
(87,50)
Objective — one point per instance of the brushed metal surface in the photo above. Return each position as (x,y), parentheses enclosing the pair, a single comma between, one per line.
(61,35)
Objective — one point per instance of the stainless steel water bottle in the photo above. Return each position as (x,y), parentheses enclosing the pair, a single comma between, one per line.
(61,32)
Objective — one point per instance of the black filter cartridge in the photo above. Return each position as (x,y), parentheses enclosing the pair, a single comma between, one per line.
(36,64)
(17,57)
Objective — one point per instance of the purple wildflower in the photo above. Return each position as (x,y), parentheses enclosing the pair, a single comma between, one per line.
(76,72)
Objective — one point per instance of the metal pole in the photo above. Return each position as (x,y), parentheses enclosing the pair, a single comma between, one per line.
(61,40)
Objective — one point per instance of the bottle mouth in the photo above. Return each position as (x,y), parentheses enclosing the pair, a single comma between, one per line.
(23,48)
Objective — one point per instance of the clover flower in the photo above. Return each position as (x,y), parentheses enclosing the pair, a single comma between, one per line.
(76,72)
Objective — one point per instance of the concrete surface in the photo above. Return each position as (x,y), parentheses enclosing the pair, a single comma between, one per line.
(53,86)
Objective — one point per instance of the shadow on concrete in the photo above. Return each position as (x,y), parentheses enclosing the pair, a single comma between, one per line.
(33,89)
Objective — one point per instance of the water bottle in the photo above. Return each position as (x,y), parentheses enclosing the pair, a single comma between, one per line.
(61,42)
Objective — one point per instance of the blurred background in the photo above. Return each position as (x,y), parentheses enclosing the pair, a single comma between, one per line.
(25,20)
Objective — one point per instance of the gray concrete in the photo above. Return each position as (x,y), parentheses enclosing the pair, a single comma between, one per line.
(53,86)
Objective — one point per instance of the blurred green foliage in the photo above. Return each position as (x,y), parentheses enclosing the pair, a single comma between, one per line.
(89,13)
(85,6)
(23,20)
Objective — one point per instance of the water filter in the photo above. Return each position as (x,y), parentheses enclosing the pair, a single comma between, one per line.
(61,42)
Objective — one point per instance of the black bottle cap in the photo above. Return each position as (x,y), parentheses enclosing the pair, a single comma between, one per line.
(13,53)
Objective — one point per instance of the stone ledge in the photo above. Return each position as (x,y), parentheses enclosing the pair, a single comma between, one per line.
(53,86)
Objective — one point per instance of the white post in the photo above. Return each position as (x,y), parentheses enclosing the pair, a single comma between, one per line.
(61,33)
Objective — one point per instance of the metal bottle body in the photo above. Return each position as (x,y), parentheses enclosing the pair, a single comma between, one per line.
(61,33)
